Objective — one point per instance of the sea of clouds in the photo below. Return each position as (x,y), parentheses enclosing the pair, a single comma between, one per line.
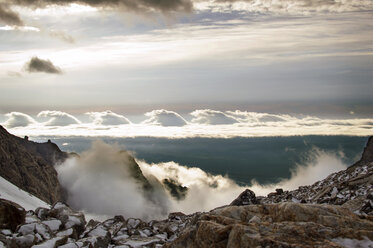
(169,124)
(99,182)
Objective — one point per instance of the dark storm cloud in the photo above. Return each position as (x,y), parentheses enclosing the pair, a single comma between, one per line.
(141,6)
(40,65)
(135,5)
(9,17)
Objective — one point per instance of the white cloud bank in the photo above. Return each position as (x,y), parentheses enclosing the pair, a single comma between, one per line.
(100,182)
(164,118)
(212,117)
(169,124)
(108,118)
(58,118)
(17,119)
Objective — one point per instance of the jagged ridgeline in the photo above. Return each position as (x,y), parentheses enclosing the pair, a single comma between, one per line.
(30,166)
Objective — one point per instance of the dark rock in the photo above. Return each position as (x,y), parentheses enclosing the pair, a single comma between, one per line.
(367,155)
(245,198)
(42,213)
(176,190)
(11,215)
(279,191)
(68,217)
(29,165)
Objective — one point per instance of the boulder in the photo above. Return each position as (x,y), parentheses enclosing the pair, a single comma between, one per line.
(11,215)
(245,198)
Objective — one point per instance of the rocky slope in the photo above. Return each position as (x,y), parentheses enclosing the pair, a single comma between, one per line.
(334,212)
(29,165)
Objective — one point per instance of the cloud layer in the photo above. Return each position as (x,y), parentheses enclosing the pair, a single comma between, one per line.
(41,65)
(304,7)
(169,124)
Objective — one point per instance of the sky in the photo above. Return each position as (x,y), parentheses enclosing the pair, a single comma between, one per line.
(175,62)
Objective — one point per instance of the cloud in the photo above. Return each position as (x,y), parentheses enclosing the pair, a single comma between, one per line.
(212,117)
(319,165)
(58,118)
(205,191)
(62,36)
(165,118)
(108,118)
(244,116)
(287,6)
(17,119)
(100,181)
(169,124)
(41,65)
(164,6)
(9,17)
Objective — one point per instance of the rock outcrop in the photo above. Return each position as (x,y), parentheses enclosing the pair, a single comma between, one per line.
(275,225)
(62,227)
(29,165)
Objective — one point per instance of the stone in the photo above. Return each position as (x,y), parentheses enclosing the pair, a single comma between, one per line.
(245,198)
(11,215)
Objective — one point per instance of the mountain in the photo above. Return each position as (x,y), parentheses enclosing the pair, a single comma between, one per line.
(334,212)
(30,166)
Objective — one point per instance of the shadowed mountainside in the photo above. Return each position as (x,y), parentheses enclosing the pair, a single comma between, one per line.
(29,165)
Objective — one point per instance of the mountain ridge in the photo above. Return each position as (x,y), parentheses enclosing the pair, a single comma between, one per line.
(30,166)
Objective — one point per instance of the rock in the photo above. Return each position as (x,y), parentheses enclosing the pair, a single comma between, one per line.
(30,166)
(69,218)
(279,191)
(176,190)
(11,215)
(245,198)
(26,240)
(367,155)
(133,223)
(281,225)
(52,243)
(176,216)
(42,213)
(35,228)
(255,219)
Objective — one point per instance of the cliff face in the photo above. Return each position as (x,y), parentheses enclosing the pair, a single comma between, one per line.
(29,165)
